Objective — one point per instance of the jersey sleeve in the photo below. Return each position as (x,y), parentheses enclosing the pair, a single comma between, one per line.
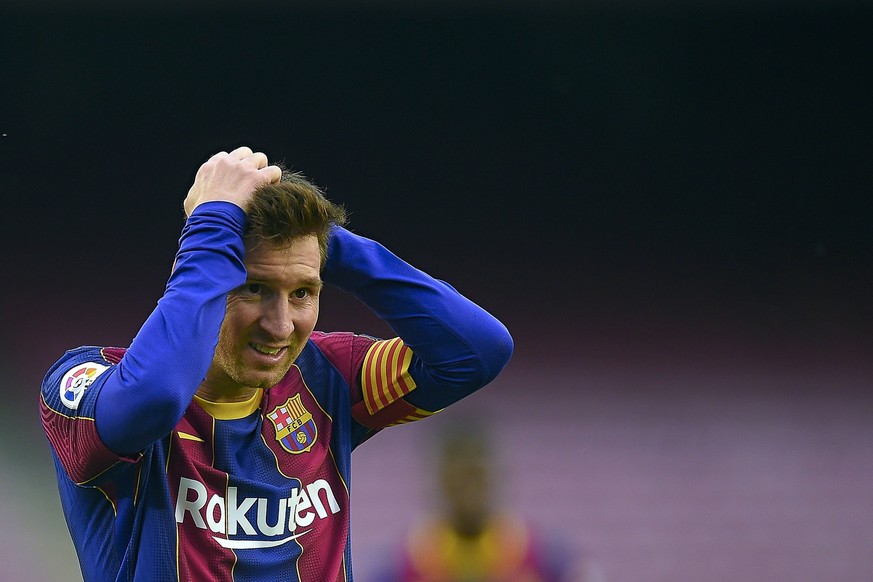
(386,381)
(377,373)
(156,379)
(447,346)
(126,401)
(67,402)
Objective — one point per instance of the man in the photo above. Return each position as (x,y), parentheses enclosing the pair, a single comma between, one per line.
(217,446)
(471,536)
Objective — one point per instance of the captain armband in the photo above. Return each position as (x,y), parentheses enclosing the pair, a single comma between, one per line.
(385,380)
(385,376)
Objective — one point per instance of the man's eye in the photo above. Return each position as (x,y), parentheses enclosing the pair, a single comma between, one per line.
(253,288)
(301,293)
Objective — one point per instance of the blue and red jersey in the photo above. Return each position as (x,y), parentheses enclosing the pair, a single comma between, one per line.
(159,484)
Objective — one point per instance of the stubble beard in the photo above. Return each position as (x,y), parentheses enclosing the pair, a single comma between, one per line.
(267,377)
(238,374)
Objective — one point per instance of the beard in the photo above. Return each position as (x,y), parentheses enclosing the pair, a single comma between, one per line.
(237,366)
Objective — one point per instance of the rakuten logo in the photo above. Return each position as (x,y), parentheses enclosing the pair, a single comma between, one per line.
(274,518)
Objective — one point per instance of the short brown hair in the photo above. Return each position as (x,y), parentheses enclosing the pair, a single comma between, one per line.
(280,212)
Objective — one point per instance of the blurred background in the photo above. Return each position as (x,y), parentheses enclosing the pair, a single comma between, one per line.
(667,202)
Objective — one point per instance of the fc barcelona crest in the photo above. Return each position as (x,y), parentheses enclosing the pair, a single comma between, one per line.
(295,427)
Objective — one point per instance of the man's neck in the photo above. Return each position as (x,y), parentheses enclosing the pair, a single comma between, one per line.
(230,409)
(211,394)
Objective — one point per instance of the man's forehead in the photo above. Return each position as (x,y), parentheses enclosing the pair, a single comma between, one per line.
(304,241)
(300,257)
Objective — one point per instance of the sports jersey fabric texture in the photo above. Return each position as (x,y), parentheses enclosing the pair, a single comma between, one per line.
(159,485)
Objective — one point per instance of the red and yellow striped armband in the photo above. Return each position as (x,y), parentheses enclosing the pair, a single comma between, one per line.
(385,380)
(385,375)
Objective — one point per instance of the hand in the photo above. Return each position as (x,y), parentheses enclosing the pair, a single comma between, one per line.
(231,177)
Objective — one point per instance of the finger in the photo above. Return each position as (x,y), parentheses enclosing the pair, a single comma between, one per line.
(241,152)
(259,159)
(272,173)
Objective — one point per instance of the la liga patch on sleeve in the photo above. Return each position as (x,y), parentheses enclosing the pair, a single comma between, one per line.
(76,381)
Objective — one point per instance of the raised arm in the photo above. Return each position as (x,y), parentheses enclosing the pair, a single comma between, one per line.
(156,379)
(457,346)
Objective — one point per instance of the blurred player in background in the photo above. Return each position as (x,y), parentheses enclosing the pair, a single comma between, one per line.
(472,536)
(217,445)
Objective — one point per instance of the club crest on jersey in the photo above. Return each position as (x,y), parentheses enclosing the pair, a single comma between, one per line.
(295,428)
(76,381)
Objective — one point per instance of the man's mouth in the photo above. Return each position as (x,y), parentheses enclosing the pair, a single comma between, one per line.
(266,350)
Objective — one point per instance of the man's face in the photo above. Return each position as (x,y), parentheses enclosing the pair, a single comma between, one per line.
(269,319)
(467,488)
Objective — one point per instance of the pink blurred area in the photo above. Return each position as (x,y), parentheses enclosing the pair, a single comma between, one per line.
(717,472)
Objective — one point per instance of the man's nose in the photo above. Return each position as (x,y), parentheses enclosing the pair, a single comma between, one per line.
(277,319)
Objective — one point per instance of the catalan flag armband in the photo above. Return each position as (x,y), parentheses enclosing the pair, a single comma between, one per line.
(385,379)
(385,376)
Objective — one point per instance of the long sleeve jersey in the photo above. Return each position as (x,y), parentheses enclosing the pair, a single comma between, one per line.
(158,484)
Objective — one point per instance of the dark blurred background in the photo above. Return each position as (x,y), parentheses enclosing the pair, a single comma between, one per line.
(667,202)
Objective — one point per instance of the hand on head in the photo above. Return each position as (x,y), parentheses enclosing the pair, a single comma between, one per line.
(231,177)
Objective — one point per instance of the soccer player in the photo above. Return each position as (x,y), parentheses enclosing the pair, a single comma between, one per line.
(471,536)
(217,445)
